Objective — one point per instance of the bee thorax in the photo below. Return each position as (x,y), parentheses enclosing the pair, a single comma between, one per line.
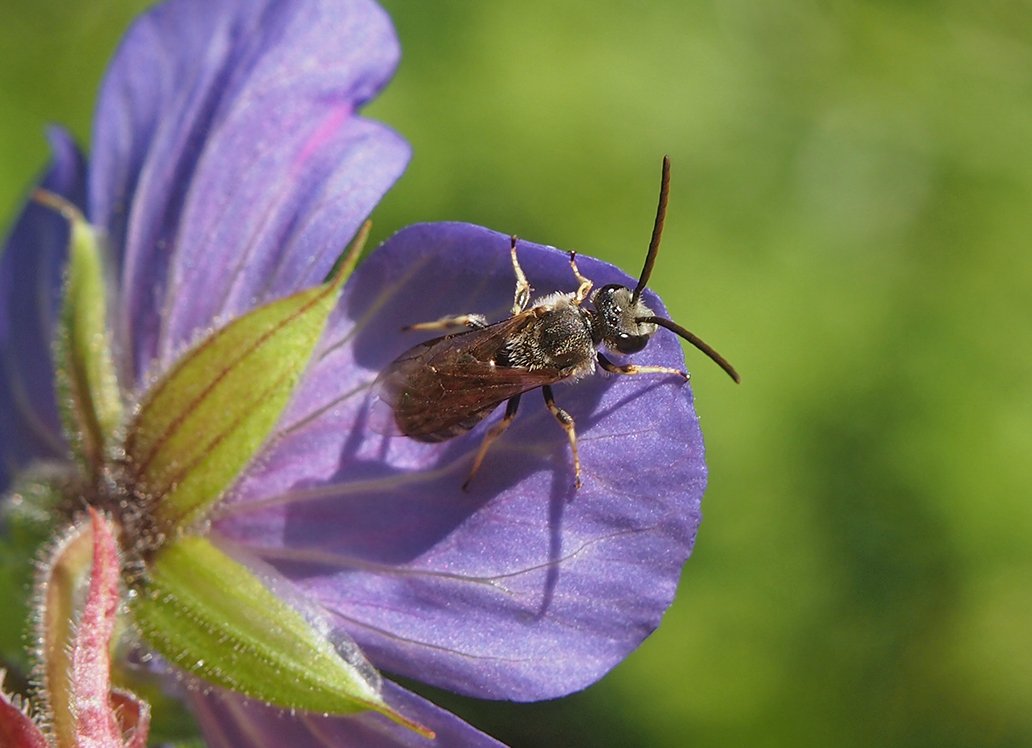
(559,338)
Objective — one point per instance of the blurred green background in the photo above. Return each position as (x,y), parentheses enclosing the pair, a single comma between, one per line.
(849,224)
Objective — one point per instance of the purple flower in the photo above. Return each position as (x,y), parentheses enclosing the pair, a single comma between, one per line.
(229,169)
(521,588)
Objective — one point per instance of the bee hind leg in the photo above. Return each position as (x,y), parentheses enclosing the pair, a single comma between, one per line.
(566,421)
(492,433)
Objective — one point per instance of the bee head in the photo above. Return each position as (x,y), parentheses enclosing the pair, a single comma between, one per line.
(618,320)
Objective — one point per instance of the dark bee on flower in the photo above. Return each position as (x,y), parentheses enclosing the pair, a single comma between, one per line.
(445,386)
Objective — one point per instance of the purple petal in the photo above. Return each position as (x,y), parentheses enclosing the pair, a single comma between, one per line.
(31,269)
(228,166)
(521,588)
(229,720)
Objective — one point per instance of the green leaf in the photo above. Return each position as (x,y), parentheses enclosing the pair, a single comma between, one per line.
(200,424)
(210,615)
(87,386)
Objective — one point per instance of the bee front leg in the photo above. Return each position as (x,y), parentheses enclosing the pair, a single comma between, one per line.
(585,284)
(492,433)
(566,421)
(612,368)
(474,321)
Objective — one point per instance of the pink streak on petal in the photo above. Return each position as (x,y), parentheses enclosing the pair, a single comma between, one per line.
(323,134)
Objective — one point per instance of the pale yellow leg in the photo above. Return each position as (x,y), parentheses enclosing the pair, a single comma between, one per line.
(585,284)
(523,290)
(612,368)
(475,321)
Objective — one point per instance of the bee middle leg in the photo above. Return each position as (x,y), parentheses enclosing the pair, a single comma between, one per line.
(566,421)
(612,368)
(492,433)
(521,297)
(474,321)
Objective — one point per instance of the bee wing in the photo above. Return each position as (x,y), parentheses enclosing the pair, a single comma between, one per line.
(445,386)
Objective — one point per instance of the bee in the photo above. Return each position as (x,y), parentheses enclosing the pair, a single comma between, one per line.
(444,387)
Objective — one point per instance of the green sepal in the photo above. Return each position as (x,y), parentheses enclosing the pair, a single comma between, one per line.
(27,514)
(87,385)
(202,422)
(61,579)
(210,615)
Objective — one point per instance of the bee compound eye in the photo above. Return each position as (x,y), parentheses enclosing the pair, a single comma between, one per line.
(628,344)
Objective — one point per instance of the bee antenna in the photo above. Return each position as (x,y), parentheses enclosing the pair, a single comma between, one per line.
(694,340)
(657,231)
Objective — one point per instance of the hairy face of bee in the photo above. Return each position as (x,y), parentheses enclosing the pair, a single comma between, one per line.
(616,320)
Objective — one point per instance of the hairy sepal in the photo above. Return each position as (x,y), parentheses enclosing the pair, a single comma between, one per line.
(203,421)
(212,616)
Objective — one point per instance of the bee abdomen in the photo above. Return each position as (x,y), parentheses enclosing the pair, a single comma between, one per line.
(422,430)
